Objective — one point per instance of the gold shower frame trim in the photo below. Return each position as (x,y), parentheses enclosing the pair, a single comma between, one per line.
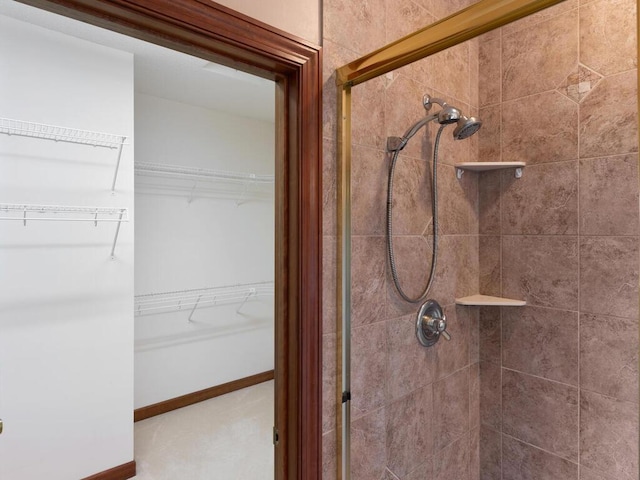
(464,25)
(468,23)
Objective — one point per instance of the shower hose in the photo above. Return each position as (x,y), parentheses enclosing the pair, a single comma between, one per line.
(434,223)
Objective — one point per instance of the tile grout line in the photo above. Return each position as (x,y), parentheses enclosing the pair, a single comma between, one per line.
(557,382)
(540,448)
(579,228)
(559,235)
(576,387)
(516,99)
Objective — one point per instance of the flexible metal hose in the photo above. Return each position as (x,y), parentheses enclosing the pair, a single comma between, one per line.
(434,223)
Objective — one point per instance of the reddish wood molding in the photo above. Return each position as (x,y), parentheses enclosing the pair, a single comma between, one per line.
(211,31)
(121,472)
(200,396)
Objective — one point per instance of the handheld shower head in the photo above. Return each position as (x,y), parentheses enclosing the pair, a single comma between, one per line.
(466,127)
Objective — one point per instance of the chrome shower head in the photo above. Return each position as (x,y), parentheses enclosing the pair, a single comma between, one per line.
(448,115)
(466,127)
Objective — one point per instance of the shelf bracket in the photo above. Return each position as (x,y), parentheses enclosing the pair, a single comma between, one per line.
(243,195)
(252,292)
(518,172)
(194,308)
(115,238)
(193,189)
(245,189)
(115,175)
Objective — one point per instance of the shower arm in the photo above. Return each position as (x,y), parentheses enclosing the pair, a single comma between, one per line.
(428,101)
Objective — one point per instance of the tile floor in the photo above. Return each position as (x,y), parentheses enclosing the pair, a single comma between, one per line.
(228,437)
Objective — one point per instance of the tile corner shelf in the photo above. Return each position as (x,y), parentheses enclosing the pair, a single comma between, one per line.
(486,166)
(486,300)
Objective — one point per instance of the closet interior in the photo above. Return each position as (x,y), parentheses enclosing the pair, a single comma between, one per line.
(204,245)
(129,157)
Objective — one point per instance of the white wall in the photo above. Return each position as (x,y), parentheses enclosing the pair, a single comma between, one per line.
(211,241)
(300,17)
(66,308)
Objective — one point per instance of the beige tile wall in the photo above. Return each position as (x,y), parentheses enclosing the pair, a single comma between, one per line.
(548,391)
(559,378)
(414,410)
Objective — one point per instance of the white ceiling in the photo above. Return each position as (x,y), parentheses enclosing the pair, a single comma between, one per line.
(166,73)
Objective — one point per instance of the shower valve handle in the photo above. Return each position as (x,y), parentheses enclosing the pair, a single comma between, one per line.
(431,324)
(438,326)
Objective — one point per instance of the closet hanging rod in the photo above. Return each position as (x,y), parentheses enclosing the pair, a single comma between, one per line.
(96,213)
(177,300)
(177,171)
(29,212)
(58,133)
(226,289)
(231,290)
(202,298)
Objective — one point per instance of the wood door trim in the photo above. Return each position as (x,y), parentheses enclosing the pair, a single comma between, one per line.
(200,396)
(211,31)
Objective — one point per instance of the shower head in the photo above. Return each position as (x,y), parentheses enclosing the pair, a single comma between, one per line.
(466,127)
(446,115)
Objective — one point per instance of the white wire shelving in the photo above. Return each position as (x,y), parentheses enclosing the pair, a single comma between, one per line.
(190,300)
(61,213)
(241,185)
(57,133)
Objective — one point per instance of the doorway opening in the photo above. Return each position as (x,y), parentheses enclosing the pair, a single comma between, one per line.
(295,188)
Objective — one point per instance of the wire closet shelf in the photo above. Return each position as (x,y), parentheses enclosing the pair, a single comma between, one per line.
(10,126)
(153,303)
(60,134)
(193,173)
(224,184)
(61,213)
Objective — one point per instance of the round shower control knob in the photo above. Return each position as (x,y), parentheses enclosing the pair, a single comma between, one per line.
(431,324)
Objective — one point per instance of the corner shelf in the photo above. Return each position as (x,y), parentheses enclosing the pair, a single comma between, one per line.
(486,300)
(21,128)
(486,166)
(63,213)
